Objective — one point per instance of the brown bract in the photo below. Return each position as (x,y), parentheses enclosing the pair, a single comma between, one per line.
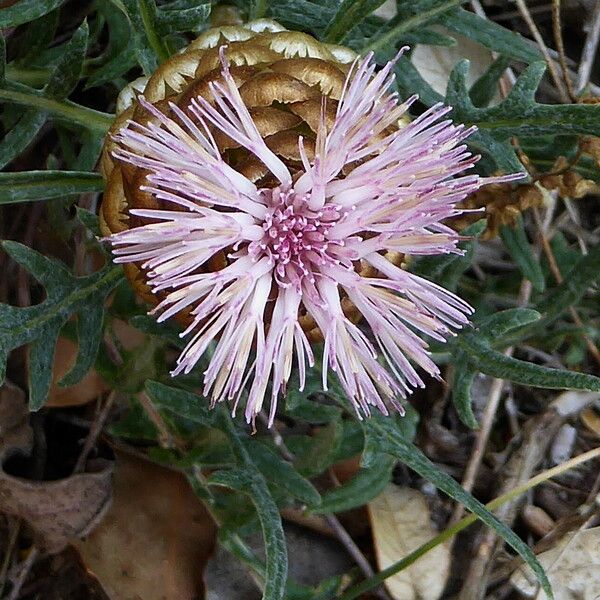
(282,77)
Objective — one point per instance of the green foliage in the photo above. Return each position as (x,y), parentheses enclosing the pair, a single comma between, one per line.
(515,241)
(51,114)
(39,325)
(26,186)
(25,11)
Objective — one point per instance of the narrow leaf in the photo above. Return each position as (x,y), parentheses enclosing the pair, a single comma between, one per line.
(362,488)
(180,402)
(25,11)
(494,363)
(516,242)
(28,186)
(389,441)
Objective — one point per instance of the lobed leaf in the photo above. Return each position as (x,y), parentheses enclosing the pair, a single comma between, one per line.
(39,325)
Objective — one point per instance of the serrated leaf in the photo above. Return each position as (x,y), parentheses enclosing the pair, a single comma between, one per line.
(180,402)
(25,11)
(39,325)
(518,246)
(491,35)
(362,488)
(494,363)
(281,473)
(519,114)
(383,435)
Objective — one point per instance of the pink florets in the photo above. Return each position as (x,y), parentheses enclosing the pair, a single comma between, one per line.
(295,246)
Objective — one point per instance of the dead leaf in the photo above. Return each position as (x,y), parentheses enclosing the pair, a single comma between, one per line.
(88,389)
(401,523)
(16,435)
(156,538)
(572,566)
(58,511)
(435,63)
(590,418)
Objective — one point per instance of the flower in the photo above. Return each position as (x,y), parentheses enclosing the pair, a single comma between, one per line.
(244,262)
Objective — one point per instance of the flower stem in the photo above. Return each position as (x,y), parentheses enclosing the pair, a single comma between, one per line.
(451,531)
(62,109)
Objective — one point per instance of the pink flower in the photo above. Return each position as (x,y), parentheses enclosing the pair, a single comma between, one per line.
(297,244)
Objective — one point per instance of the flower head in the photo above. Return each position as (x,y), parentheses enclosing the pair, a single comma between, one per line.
(303,245)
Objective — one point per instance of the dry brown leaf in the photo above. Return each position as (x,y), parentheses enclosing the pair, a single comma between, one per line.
(400,523)
(572,566)
(435,63)
(88,389)
(591,419)
(156,538)
(16,434)
(58,511)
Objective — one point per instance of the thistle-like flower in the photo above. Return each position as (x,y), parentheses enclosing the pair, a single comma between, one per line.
(314,241)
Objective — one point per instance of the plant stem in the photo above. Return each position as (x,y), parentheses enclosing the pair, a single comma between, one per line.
(391,36)
(62,109)
(156,42)
(258,9)
(451,531)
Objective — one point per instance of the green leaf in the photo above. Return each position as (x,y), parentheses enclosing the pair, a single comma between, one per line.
(362,488)
(281,473)
(401,25)
(494,363)
(39,325)
(384,435)
(516,242)
(20,136)
(519,114)
(62,110)
(25,11)
(151,49)
(67,71)
(495,327)
(464,375)
(189,17)
(248,479)
(322,451)
(349,14)
(89,328)
(28,186)
(484,90)
(180,402)
(491,35)
(410,81)
(447,269)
